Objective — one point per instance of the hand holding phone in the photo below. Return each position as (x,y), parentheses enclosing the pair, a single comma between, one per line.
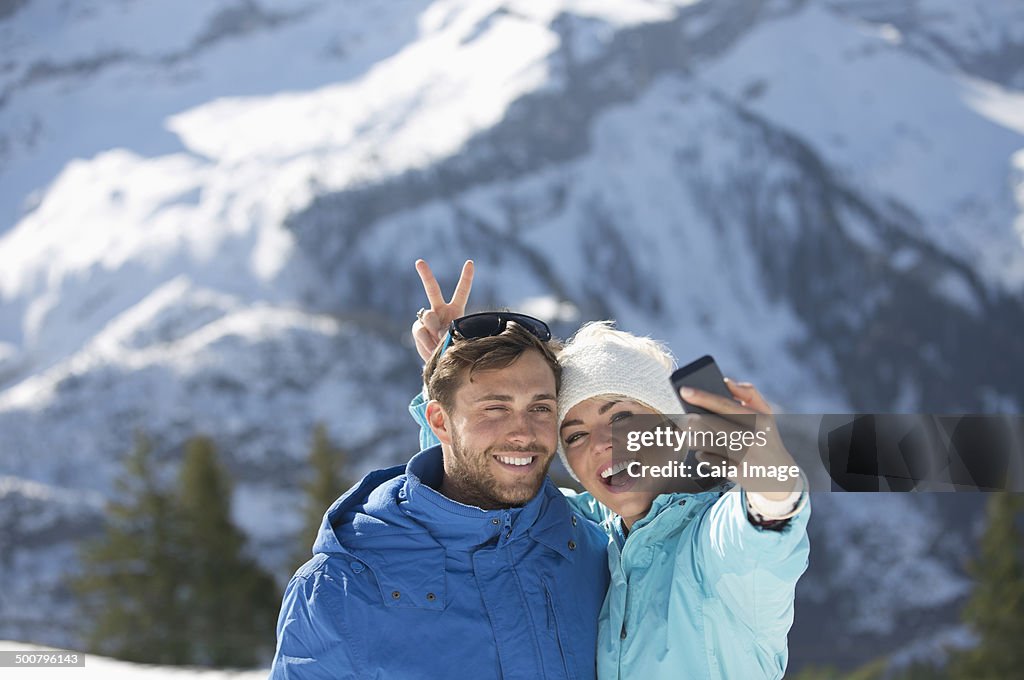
(749,411)
(702,374)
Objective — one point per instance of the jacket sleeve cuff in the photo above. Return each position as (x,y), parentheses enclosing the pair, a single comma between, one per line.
(764,508)
(775,516)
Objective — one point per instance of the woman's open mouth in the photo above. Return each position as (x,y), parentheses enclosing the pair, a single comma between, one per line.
(615,476)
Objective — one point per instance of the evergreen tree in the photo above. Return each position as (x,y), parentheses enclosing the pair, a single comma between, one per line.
(995,611)
(129,590)
(232,603)
(326,462)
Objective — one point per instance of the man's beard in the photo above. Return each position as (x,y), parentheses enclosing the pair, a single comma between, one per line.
(471,478)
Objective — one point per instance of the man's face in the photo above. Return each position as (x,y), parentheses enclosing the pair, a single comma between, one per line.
(503,433)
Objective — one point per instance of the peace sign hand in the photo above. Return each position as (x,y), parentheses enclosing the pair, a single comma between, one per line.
(431,324)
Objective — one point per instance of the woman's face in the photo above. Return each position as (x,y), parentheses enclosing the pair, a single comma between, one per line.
(586,434)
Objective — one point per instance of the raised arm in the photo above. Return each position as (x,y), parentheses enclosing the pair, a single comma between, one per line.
(751,545)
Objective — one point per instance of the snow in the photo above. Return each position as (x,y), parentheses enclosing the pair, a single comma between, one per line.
(419,105)
(102,668)
(1017,182)
(548,308)
(995,103)
(128,222)
(172,58)
(883,118)
(49,494)
(898,532)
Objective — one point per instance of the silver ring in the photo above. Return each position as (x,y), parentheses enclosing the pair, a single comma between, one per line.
(419,314)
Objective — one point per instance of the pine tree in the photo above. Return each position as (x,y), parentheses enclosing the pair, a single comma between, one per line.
(232,603)
(129,591)
(327,462)
(995,611)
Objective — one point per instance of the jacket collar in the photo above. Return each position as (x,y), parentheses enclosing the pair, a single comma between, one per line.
(557,527)
(545,518)
(398,525)
(684,503)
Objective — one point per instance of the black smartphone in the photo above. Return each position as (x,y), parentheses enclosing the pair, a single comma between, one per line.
(702,374)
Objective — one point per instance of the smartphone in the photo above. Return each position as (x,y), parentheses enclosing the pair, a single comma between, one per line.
(702,374)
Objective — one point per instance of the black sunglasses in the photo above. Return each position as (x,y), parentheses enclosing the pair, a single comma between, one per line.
(487,324)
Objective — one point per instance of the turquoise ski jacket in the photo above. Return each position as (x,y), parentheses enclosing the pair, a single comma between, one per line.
(697,591)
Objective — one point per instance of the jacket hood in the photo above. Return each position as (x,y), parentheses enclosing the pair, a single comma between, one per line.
(374,497)
(366,528)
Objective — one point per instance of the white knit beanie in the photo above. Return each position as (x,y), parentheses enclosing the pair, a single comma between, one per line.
(600,360)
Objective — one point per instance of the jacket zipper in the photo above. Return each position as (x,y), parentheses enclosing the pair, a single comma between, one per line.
(553,623)
(623,632)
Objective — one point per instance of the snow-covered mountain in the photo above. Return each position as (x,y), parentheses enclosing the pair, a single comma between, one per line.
(209,214)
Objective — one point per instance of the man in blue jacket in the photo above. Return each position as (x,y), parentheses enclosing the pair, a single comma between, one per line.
(467,561)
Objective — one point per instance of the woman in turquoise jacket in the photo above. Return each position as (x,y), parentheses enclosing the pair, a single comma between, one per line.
(702,584)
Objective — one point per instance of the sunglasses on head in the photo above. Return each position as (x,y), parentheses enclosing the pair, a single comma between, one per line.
(488,324)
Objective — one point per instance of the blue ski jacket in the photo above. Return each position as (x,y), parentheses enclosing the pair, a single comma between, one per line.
(406,583)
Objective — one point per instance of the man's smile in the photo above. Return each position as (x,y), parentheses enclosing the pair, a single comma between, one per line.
(516,462)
